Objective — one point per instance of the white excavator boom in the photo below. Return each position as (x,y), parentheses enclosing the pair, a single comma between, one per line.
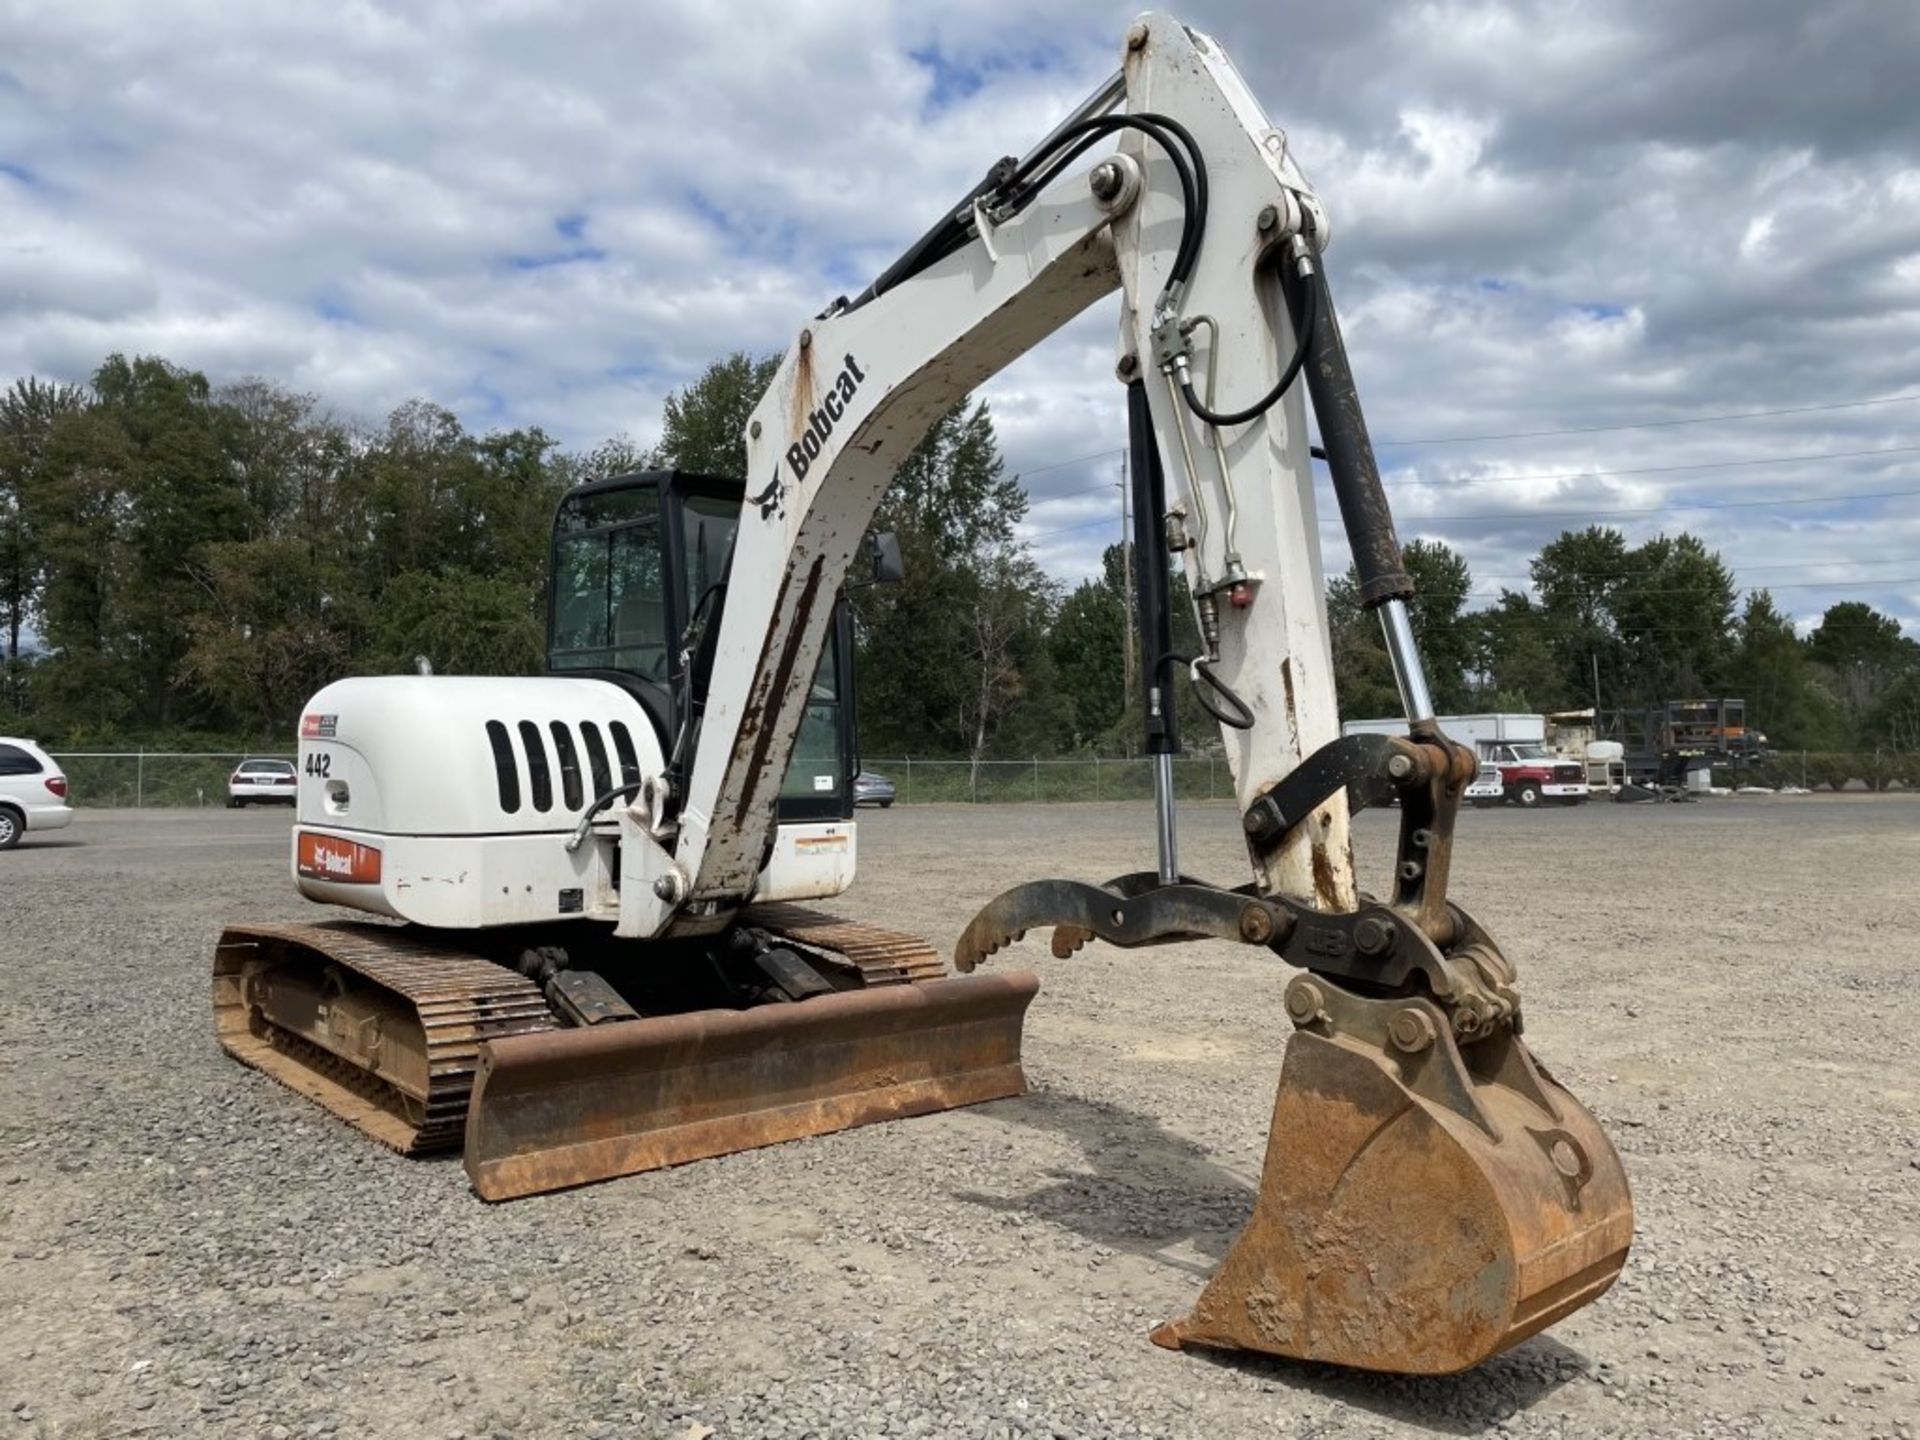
(860,386)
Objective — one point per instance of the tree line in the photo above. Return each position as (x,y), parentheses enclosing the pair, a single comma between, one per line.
(1616,626)
(195,560)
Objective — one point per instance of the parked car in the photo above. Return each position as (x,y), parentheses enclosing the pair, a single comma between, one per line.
(872,789)
(271,782)
(33,792)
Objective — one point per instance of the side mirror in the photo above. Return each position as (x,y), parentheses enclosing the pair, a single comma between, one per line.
(887,569)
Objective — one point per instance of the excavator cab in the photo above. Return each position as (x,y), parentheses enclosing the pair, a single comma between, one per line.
(638,573)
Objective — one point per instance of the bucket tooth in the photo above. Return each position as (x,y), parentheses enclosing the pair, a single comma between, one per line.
(1423,1205)
(570,1107)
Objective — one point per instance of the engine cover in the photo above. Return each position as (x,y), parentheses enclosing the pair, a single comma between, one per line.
(468,755)
(445,800)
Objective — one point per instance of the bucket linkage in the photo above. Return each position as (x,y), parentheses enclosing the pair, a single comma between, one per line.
(1430,1195)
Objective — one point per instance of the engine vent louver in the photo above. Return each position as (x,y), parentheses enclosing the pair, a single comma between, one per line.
(623,745)
(569,757)
(505,772)
(539,776)
(581,761)
(597,758)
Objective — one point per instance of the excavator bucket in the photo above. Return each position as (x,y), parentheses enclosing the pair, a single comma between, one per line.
(566,1107)
(1424,1204)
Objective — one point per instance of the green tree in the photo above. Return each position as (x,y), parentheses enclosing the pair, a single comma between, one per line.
(269,640)
(29,410)
(1088,642)
(1894,720)
(1771,671)
(1675,619)
(1578,578)
(92,680)
(954,658)
(462,623)
(1515,659)
(181,499)
(951,492)
(704,427)
(1862,653)
(1450,640)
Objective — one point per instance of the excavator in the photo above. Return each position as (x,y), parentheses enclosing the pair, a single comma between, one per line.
(590,951)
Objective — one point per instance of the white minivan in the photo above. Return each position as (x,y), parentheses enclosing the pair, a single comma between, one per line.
(33,792)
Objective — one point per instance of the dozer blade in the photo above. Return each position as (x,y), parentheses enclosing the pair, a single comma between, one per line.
(1423,1206)
(572,1106)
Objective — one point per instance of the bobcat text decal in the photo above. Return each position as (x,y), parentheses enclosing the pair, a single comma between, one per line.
(327,857)
(803,452)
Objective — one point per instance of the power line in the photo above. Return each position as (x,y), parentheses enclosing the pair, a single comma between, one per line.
(1796,585)
(1673,506)
(1063,464)
(1549,434)
(1469,482)
(1581,514)
(1657,469)
(1068,529)
(1654,424)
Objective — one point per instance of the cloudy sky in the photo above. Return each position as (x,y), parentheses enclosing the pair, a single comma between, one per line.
(1551,217)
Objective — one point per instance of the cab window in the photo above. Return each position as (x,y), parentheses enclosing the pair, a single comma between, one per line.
(609,602)
(816,771)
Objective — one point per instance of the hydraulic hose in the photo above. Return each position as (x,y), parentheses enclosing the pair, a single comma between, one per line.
(1019,184)
(1233,712)
(1303,342)
(600,802)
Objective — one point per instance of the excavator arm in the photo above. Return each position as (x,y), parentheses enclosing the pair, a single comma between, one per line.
(1430,1195)
(1199,219)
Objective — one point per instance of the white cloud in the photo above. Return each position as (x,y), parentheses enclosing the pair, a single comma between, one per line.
(1549,215)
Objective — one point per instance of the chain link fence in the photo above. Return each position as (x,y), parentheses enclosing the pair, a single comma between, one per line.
(139,778)
(919,782)
(1828,770)
(135,778)
(1205,777)
(193,778)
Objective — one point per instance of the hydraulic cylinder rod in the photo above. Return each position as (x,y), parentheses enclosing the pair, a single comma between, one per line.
(1385,584)
(1154,618)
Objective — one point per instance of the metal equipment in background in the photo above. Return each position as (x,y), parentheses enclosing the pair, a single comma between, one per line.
(603,963)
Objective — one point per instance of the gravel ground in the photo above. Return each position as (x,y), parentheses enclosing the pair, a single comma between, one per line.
(186,1248)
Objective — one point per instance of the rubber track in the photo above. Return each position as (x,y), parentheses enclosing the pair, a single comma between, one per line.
(883,957)
(458,998)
